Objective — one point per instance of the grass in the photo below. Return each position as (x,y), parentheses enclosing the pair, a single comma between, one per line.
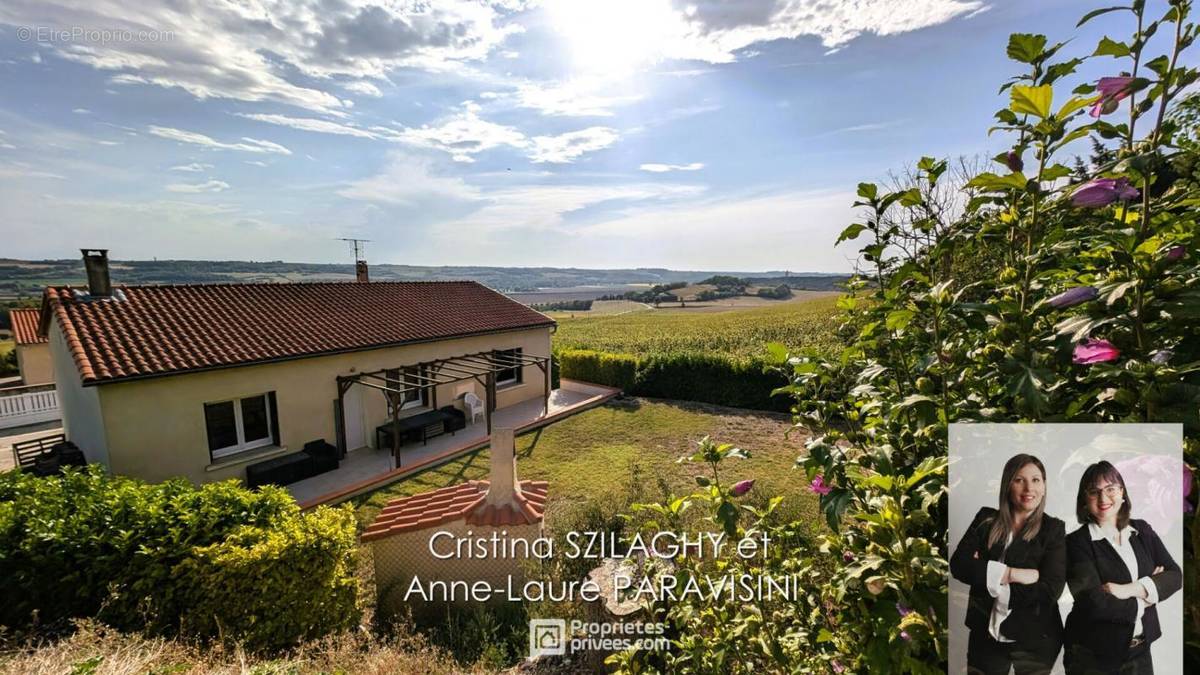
(96,650)
(595,453)
(740,332)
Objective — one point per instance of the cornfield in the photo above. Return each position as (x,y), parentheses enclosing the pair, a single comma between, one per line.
(737,333)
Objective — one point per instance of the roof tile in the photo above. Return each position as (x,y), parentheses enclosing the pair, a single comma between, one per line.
(25,326)
(466,501)
(146,331)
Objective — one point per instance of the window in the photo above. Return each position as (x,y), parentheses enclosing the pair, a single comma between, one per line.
(503,358)
(240,424)
(408,379)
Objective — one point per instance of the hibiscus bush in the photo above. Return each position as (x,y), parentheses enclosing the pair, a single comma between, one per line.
(1042,294)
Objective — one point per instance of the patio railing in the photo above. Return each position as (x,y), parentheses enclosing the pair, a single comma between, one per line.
(28,405)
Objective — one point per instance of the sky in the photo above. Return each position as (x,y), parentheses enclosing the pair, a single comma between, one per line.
(699,135)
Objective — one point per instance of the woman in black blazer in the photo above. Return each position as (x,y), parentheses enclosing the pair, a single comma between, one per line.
(1118,570)
(1014,559)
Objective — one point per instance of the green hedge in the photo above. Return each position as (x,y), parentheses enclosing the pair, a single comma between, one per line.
(614,370)
(173,559)
(708,378)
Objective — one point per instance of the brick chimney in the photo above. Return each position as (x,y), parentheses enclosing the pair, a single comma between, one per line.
(360,271)
(503,486)
(95,261)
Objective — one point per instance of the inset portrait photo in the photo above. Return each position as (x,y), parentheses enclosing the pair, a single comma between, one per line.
(1066,546)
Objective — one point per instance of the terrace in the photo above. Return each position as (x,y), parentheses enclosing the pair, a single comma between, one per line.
(368,468)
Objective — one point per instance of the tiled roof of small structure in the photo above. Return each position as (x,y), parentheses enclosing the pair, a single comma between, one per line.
(465,500)
(25,326)
(147,331)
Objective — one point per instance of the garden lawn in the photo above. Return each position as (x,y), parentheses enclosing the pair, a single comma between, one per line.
(600,451)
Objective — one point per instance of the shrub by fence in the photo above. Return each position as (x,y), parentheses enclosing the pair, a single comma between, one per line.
(707,378)
(173,559)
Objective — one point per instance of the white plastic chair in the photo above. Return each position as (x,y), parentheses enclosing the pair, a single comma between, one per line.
(474,405)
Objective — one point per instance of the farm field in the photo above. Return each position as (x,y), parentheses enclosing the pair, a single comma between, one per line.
(603,451)
(602,308)
(736,330)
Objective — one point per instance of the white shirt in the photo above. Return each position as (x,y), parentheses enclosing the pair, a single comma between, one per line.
(1121,544)
(1001,592)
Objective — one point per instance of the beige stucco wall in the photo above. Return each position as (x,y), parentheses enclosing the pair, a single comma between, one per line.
(400,557)
(82,422)
(155,427)
(34,363)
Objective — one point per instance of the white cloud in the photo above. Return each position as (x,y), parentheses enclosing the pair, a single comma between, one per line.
(408,180)
(207,186)
(21,170)
(464,134)
(566,147)
(718,31)
(246,50)
(663,168)
(310,124)
(82,111)
(577,98)
(715,29)
(365,88)
(256,163)
(248,144)
(194,167)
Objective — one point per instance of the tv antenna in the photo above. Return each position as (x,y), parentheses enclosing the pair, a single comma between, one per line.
(358,247)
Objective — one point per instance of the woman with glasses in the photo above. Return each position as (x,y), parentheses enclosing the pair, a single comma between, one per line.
(1014,559)
(1118,569)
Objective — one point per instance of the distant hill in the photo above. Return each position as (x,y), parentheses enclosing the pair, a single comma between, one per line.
(26,278)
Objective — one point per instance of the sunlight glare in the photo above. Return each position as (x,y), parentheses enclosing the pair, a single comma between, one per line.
(614,36)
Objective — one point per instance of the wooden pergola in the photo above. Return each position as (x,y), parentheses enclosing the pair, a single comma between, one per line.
(395,384)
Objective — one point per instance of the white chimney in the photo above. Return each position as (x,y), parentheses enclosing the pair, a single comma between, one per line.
(502,483)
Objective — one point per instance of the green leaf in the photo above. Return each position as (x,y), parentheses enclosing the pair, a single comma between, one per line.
(702,481)
(1026,47)
(1111,48)
(868,191)
(993,183)
(1159,65)
(1075,104)
(834,505)
(1055,172)
(1034,101)
(910,197)
(1060,70)
(851,232)
(1097,12)
(899,319)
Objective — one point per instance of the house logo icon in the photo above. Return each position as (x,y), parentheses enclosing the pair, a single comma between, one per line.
(547,637)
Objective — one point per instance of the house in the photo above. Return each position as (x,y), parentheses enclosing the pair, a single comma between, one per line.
(418,537)
(204,381)
(33,350)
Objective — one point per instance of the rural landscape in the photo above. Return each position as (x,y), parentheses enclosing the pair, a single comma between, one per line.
(239,467)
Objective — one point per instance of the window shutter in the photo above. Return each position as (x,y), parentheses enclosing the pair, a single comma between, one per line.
(273,409)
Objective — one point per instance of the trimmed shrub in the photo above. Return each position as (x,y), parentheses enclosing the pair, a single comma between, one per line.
(140,557)
(275,585)
(711,378)
(614,370)
(707,378)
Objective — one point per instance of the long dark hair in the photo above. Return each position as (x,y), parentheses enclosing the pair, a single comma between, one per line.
(1003,523)
(1092,476)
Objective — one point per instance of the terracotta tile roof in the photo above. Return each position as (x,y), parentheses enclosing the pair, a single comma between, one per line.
(146,331)
(25,326)
(465,500)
